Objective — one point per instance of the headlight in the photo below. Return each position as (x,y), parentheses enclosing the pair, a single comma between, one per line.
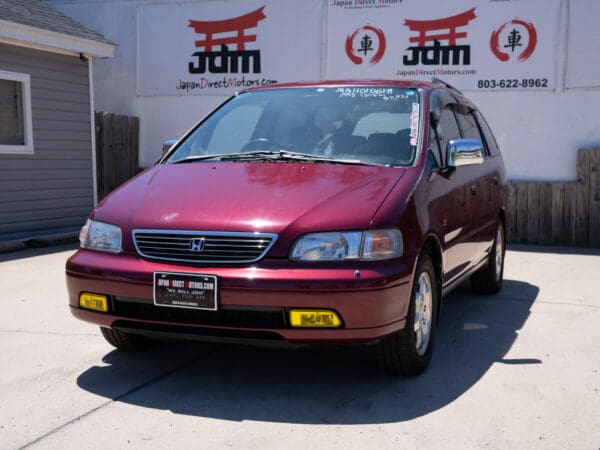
(100,236)
(348,246)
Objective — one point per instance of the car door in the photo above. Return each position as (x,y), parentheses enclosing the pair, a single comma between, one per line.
(484,184)
(451,192)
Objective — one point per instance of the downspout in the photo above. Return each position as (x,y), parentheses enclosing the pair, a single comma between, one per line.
(93,129)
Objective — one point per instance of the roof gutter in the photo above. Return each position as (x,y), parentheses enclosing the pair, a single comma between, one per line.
(39,39)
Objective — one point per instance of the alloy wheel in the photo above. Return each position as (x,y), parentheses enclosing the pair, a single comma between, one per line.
(423,313)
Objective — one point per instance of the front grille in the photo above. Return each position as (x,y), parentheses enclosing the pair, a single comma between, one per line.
(202,246)
(241,318)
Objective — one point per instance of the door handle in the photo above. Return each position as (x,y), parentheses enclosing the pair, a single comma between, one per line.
(473,189)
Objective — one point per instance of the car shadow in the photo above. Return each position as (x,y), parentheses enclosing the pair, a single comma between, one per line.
(327,384)
(34,249)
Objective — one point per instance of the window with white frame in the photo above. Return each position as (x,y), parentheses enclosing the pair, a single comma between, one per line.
(15,113)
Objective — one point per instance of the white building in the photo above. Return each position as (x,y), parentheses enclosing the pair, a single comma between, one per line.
(539,130)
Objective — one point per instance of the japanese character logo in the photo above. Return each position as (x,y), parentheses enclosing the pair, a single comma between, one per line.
(363,41)
(507,41)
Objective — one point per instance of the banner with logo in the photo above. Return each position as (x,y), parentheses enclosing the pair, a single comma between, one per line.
(220,47)
(583,63)
(473,45)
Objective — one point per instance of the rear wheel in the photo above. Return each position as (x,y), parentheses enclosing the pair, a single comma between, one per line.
(126,341)
(408,351)
(488,279)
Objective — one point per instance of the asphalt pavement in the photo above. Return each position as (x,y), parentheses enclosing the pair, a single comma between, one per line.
(520,369)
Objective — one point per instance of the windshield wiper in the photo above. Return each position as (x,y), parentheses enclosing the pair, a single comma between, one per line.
(272,155)
(223,156)
(286,155)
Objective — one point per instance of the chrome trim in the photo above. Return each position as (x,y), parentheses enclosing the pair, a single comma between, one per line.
(201,256)
(464,152)
(197,244)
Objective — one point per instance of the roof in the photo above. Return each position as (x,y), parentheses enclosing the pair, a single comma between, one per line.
(405,83)
(25,22)
(345,83)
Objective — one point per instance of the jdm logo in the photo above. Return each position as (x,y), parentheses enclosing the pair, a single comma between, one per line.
(215,40)
(430,50)
(366,43)
(515,39)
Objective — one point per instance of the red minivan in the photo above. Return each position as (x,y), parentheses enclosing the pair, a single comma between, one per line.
(330,212)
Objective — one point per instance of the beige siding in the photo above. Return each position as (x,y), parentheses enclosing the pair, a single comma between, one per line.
(51,190)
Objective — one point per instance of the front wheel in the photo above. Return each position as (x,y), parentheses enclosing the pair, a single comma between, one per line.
(408,351)
(488,279)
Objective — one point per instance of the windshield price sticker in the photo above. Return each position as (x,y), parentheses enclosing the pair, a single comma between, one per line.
(181,290)
(414,124)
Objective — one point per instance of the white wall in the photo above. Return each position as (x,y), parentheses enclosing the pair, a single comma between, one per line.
(539,132)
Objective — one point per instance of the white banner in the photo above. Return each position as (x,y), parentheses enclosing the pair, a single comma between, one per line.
(473,45)
(220,47)
(583,63)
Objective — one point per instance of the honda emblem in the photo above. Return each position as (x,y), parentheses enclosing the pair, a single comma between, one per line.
(197,244)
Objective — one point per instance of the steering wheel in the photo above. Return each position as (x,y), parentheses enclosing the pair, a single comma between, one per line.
(261,144)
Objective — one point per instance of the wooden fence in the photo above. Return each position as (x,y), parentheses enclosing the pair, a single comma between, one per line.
(117,146)
(558,213)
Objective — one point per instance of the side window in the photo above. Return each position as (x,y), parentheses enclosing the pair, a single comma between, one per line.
(435,152)
(469,128)
(16,135)
(447,129)
(487,133)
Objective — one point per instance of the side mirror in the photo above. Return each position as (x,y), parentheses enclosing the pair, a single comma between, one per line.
(464,152)
(167,145)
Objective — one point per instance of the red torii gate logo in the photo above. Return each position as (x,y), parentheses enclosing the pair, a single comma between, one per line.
(221,34)
(435,31)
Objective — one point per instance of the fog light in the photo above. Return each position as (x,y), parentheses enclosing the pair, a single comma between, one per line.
(314,318)
(96,302)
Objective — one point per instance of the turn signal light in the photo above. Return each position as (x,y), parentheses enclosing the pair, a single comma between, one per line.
(314,318)
(96,302)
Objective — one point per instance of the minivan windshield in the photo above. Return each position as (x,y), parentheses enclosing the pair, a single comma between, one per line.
(350,124)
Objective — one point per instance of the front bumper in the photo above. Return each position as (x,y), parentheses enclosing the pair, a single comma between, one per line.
(252,301)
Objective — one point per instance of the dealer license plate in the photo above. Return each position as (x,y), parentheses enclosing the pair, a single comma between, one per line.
(184,290)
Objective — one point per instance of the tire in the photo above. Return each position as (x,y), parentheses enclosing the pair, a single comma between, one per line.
(126,341)
(488,279)
(408,351)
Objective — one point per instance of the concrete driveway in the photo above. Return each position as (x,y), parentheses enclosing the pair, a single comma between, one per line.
(517,370)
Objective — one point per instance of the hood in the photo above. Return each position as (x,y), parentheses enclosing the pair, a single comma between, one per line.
(284,198)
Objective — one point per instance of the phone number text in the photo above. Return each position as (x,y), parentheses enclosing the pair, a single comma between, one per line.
(513,83)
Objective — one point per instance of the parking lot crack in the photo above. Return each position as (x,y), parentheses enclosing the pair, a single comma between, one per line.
(133,390)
